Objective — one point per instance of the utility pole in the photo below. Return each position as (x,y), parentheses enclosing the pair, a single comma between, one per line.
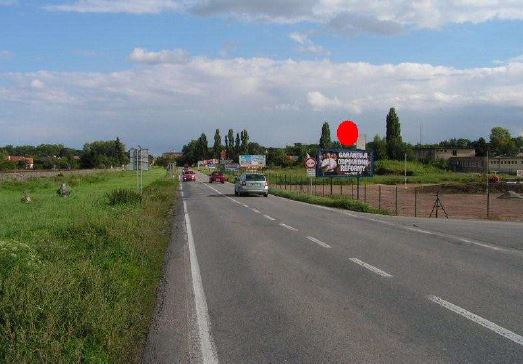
(488,187)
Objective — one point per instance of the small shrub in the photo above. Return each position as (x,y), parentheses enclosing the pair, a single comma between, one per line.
(123,196)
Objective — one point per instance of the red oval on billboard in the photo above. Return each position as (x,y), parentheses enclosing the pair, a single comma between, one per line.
(347,133)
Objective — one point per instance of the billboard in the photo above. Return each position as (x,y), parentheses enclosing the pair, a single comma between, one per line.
(344,163)
(252,161)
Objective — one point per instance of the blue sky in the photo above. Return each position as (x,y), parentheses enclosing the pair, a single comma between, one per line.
(160,72)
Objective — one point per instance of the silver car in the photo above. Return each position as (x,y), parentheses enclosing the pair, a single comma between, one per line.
(251,183)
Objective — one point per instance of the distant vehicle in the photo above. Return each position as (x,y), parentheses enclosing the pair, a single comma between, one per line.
(188,176)
(216,177)
(251,183)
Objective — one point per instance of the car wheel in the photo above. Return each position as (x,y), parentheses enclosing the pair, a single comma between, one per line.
(266,195)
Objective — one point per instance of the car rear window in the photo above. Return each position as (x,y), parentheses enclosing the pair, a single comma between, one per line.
(189,172)
(254,177)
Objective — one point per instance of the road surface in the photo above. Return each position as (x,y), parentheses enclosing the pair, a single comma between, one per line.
(254,280)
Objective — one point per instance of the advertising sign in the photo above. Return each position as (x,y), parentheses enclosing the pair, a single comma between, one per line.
(344,163)
(519,173)
(232,167)
(252,161)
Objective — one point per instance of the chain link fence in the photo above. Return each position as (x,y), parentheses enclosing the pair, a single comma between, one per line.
(463,200)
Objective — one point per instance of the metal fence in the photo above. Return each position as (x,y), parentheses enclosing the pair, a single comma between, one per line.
(452,200)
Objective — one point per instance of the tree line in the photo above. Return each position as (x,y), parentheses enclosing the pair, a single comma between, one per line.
(391,146)
(97,154)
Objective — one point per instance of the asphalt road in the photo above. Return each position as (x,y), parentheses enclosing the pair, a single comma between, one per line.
(254,279)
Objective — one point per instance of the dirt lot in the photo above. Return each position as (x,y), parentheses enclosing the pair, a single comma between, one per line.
(421,203)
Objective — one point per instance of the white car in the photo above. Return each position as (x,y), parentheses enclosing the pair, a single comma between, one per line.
(251,183)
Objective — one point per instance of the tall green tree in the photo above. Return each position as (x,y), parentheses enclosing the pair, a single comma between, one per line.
(325,139)
(237,145)
(202,151)
(379,147)
(501,142)
(230,144)
(120,152)
(244,138)
(217,147)
(395,148)
(480,146)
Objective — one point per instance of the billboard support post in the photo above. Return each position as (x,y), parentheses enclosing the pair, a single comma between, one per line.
(331,186)
(358,188)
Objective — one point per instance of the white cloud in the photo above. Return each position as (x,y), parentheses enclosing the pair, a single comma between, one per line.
(319,101)
(345,16)
(4,54)
(306,45)
(516,59)
(118,6)
(279,101)
(37,84)
(141,55)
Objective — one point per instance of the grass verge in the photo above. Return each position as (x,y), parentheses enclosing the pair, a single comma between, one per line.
(340,202)
(78,276)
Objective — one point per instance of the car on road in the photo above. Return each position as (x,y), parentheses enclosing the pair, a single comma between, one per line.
(216,177)
(251,183)
(188,176)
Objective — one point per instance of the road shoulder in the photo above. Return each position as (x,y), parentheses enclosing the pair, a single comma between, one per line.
(170,332)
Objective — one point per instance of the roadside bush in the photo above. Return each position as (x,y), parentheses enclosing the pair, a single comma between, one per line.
(123,196)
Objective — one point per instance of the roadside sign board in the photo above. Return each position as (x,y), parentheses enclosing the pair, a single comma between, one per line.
(311,172)
(252,161)
(233,167)
(138,160)
(310,163)
(344,163)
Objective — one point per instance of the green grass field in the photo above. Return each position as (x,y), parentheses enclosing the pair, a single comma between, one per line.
(387,172)
(341,202)
(78,275)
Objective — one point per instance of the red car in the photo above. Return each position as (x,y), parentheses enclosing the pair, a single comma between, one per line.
(189,176)
(216,177)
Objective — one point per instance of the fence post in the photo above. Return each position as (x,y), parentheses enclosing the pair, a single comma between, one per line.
(331,186)
(379,197)
(341,187)
(285,181)
(365,192)
(352,188)
(323,187)
(358,188)
(415,201)
(396,200)
(488,202)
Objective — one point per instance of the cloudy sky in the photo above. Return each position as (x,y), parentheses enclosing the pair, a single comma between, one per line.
(160,72)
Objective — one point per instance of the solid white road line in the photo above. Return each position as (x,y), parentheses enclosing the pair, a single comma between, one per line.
(269,217)
(319,242)
(207,348)
(518,339)
(288,227)
(244,205)
(371,268)
(256,211)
